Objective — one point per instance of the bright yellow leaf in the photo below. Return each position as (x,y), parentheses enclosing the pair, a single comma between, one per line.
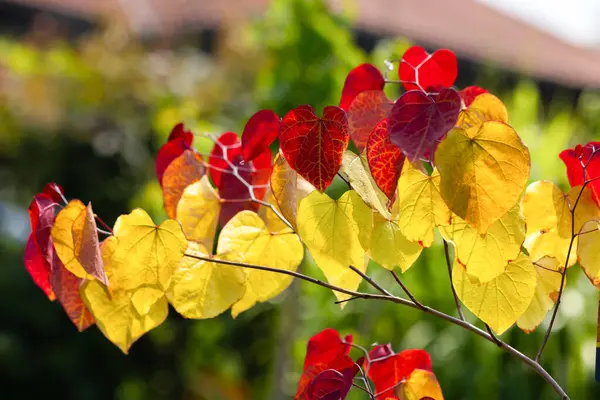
(501,301)
(485,256)
(588,253)
(485,107)
(336,233)
(248,236)
(356,168)
(483,172)
(203,289)
(198,212)
(420,384)
(62,237)
(389,247)
(272,220)
(546,293)
(420,205)
(146,256)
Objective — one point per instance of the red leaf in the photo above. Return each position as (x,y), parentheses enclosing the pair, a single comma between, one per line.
(325,346)
(54,191)
(331,384)
(38,267)
(417,121)
(226,148)
(179,141)
(575,159)
(366,111)
(469,94)
(360,79)
(66,286)
(260,131)
(314,146)
(385,160)
(420,70)
(387,370)
(182,172)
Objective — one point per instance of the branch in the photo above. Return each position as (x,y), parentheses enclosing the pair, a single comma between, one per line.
(456,300)
(399,300)
(371,281)
(408,293)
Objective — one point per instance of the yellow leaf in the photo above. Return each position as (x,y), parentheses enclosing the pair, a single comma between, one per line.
(389,247)
(483,172)
(587,251)
(546,292)
(420,384)
(420,205)
(198,212)
(485,256)
(114,313)
(501,301)
(485,107)
(248,236)
(356,168)
(336,233)
(272,220)
(288,188)
(203,289)
(146,256)
(62,237)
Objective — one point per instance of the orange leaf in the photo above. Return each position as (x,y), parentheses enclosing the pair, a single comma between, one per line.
(182,172)
(86,245)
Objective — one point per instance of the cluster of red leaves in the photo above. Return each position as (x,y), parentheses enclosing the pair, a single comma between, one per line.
(583,165)
(42,262)
(329,372)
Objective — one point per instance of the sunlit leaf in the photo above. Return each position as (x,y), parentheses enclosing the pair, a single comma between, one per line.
(420,205)
(484,107)
(483,172)
(588,156)
(587,251)
(546,293)
(501,301)
(179,141)
(422,384)
(260,131)
(365,112)
(198,212)
(87,245)
(485,256)
(356,168)
(182,172)
(389,247)
(363,78)
(272,220)
(314,146)
(247,235)
(469,94)
(438,69)
(336,233)
(385,160)
(62,237)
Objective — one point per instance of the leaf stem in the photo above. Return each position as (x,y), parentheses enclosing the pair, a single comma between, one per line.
(449,265)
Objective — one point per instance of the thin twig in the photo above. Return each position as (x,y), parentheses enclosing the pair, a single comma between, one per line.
(104,224)
(366,381)
(496,340)
(345,300)
(344,179)
(449,265)
(399,300)
(371,281)
(408,293)
(363,389)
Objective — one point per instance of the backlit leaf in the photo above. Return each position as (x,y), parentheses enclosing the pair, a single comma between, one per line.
(203,289)
(422,384)
(420,70)
(389,247)
(420,205)
(587,251)
(314,146)
(365,112)
(182,172)
(485,256)
(417,121)
(247,235)
(198,212)
(179,141)
(336,233)
(546,293)
(62,237)
(504,299)
(385,160)
(588,156)
(363,78)
(86,244)
(469,94)
(483,172)
(356,168)
(273,221)
(260,131)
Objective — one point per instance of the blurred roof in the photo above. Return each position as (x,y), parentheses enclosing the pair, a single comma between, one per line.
(473,30)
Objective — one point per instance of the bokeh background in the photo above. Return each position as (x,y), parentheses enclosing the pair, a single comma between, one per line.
(90,89)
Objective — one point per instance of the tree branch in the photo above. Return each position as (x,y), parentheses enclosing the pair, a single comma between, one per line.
(408,293)
(449,265)
(399,300)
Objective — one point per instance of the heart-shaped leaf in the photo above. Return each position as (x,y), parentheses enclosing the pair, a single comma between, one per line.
(421,70)
(385,159)
(469,94)
(314,146)
(260,131)
(179,141)
(362,78)
(366,111)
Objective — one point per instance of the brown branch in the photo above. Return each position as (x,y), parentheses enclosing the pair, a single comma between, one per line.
(496,340)
(371,281)
(405,289)
(449,265)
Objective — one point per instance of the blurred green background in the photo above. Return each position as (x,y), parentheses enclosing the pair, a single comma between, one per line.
(90,113)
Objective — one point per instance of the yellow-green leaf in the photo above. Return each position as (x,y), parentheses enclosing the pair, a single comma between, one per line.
(389,247)
(485,256)
(248,236)
(336,233)
(483,172)
(420,205)
(501,301)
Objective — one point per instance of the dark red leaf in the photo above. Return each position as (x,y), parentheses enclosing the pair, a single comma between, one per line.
(332,384)
(469,94)
(419,70)
(42,212)
(417,121)
(260,131)
(179,141)
(381,351)
(38,267)
(387,371)
(575,160)
(314,146)
(385,160)
(54,191)
(362,78)
(366,111)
